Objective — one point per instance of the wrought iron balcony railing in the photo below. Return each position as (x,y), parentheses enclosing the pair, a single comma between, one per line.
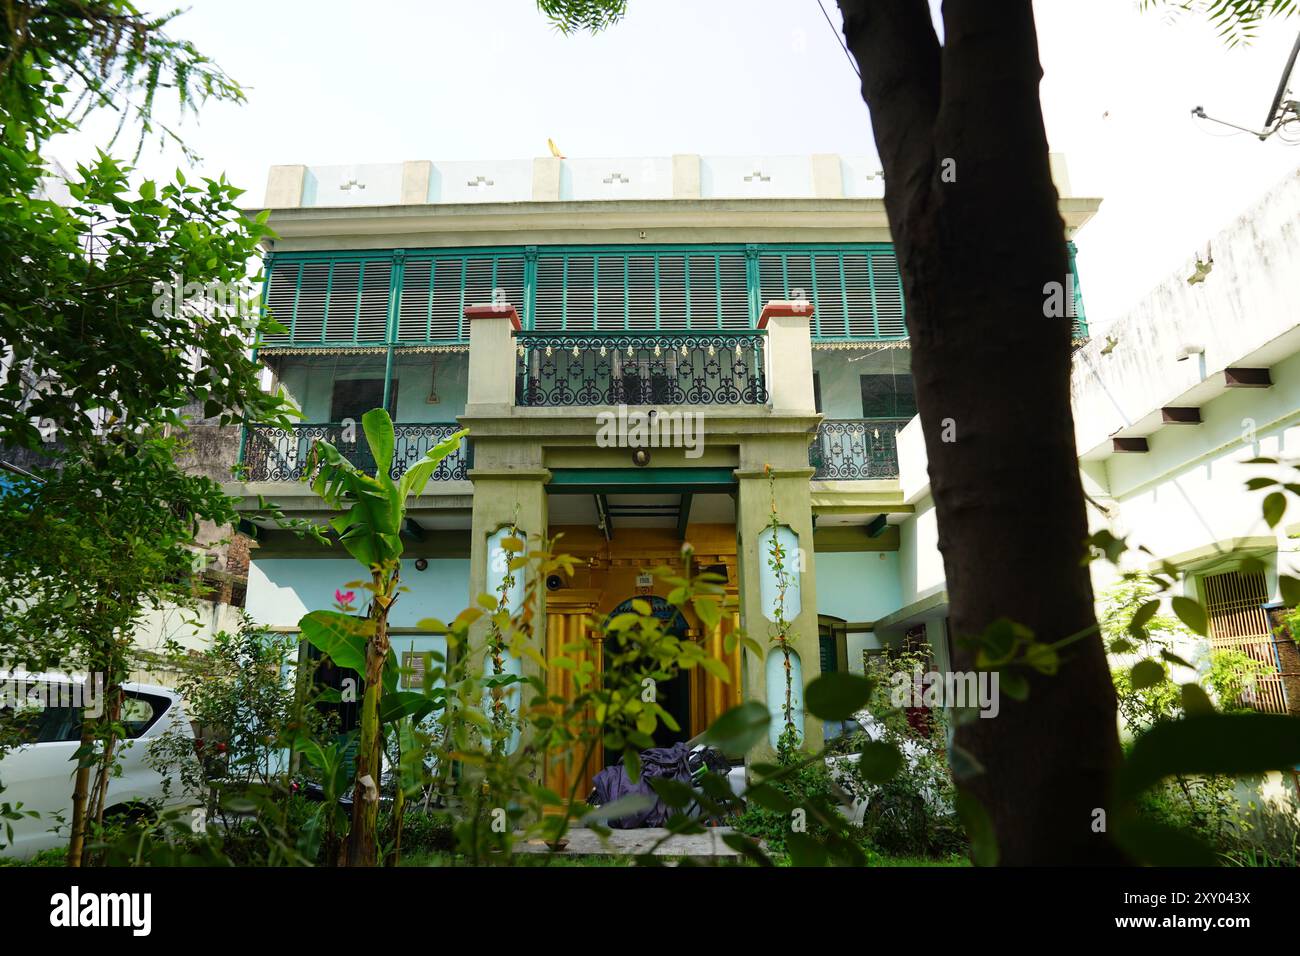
(280,454)
(856,448)
(672,368)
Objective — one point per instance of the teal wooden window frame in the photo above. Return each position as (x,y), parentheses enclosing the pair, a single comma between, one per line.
(869,308)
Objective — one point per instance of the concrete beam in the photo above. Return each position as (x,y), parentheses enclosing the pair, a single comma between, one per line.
(1246,378)
(1180,415)
(1130,445)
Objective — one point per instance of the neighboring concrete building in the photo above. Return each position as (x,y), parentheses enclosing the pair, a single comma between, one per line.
(1172,400)
(761,294)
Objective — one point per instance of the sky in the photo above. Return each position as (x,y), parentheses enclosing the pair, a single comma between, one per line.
(337,82)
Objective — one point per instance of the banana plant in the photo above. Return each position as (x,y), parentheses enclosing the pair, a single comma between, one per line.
(371,510)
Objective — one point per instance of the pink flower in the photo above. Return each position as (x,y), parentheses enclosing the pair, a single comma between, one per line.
(344,598)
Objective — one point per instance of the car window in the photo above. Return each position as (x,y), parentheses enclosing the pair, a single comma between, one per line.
(20,723)
(141,711)
(42,715)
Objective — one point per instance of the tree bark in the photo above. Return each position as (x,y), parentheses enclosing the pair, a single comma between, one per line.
(973,213)
(362,848)
(80,797)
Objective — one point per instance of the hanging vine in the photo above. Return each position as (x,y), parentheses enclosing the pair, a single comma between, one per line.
(498,628)
(788,741)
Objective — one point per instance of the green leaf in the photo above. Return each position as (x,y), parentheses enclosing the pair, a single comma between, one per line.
(709,612)
(1195,700)
(1290,588)
(1274,508)
(1157,844)
(417,476)
(341,637)
(1146,673)
(674,793)
(1233,745)
(1137,626)
(403,703)
(880,761)
(1013,684)
(983,839)
(718,669)
(378,426)
(739,729)
(1042,657)
(627,806)
(1191,613)
(837,696)
(805,850)
(747,848)
(770,798)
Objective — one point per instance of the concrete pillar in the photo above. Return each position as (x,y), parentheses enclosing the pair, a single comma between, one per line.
(546,178)
(415,182)
(284,187)
(504,495)
(491,358)
(789,356)
(686,176)
(827,176)
(508,476)
(774,472)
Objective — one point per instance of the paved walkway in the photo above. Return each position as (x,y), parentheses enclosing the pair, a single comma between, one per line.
(584,842)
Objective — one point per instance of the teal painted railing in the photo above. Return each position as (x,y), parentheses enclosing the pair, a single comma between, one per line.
(280,454)
(850,449)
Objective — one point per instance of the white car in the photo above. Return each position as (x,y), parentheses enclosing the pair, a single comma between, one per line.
(841,766)
(46,710)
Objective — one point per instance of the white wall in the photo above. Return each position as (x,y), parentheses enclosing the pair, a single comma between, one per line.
(920,563)
(1247,300)
(189,627)
(857,585)
(282,590)
(1189,492)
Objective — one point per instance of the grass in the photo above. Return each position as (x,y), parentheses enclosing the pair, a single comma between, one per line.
(443,859)
(546,859)
(55,857)
(880,860)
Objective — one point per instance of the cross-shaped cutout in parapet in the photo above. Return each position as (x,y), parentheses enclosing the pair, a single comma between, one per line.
(616,178)
(480,181)
(757,176)
(352,184)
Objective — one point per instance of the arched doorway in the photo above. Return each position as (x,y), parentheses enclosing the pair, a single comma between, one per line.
(672,695)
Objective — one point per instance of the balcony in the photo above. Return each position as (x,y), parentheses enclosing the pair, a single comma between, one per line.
(856,449)
(280,454)
(672,368)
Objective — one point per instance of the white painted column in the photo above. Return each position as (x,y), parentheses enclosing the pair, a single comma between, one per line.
(789,356)
(491,358)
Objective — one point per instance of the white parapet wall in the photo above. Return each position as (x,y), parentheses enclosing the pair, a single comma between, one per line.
(548,179)
(1244,304)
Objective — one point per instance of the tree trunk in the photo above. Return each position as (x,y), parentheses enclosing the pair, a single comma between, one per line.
(80,796)
(362,845)
(104,769)
(973,212)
